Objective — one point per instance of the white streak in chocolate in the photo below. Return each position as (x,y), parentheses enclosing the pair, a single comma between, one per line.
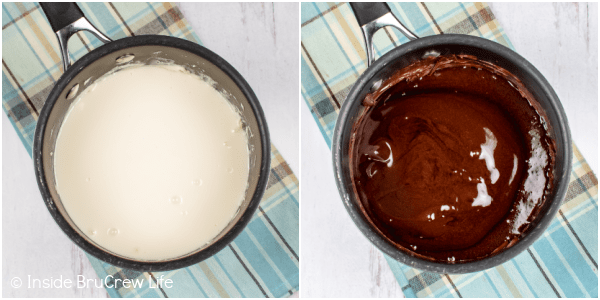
(487,153)
(514,171)
(482,199)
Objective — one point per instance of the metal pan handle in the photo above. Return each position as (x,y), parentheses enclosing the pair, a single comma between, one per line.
(66,19)
(372,16)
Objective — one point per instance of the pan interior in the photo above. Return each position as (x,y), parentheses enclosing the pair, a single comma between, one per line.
(154,54)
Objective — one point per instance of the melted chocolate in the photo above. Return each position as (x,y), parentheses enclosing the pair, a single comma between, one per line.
(451,159)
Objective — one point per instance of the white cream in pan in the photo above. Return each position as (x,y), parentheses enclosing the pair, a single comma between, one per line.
(151,162)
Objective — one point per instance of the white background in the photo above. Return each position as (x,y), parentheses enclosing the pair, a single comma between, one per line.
(560,40)
(260,40)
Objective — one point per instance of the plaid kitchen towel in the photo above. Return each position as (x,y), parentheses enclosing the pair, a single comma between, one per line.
(261,262)
(563,262)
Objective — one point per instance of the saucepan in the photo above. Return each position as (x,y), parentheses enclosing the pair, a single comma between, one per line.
(373,16)
(66,19)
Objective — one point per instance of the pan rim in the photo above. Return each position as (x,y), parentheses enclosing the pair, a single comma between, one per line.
(347,197)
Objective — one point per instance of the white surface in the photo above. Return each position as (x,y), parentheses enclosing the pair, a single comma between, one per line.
(260,40)
(561,40)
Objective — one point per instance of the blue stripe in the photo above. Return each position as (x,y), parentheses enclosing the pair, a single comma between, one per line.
(274,250)
(106,21)
(35,80)
(309,81)
(578,263)
(284,217)
(416,16)
(556,268)
(491,282)
(218,261)
(586,227)
(470,18)
(258,262)
(242,279)
(160,20)
(6,18)
(308,11)
(525,278)
(195,280)
(315,90)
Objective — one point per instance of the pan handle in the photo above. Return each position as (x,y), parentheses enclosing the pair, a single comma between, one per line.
(66,19)
(372,16)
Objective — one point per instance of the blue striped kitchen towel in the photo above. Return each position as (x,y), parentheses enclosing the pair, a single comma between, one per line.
(563,262)
(261,262)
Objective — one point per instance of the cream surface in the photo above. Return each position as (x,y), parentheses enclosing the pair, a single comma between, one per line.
(151,162)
